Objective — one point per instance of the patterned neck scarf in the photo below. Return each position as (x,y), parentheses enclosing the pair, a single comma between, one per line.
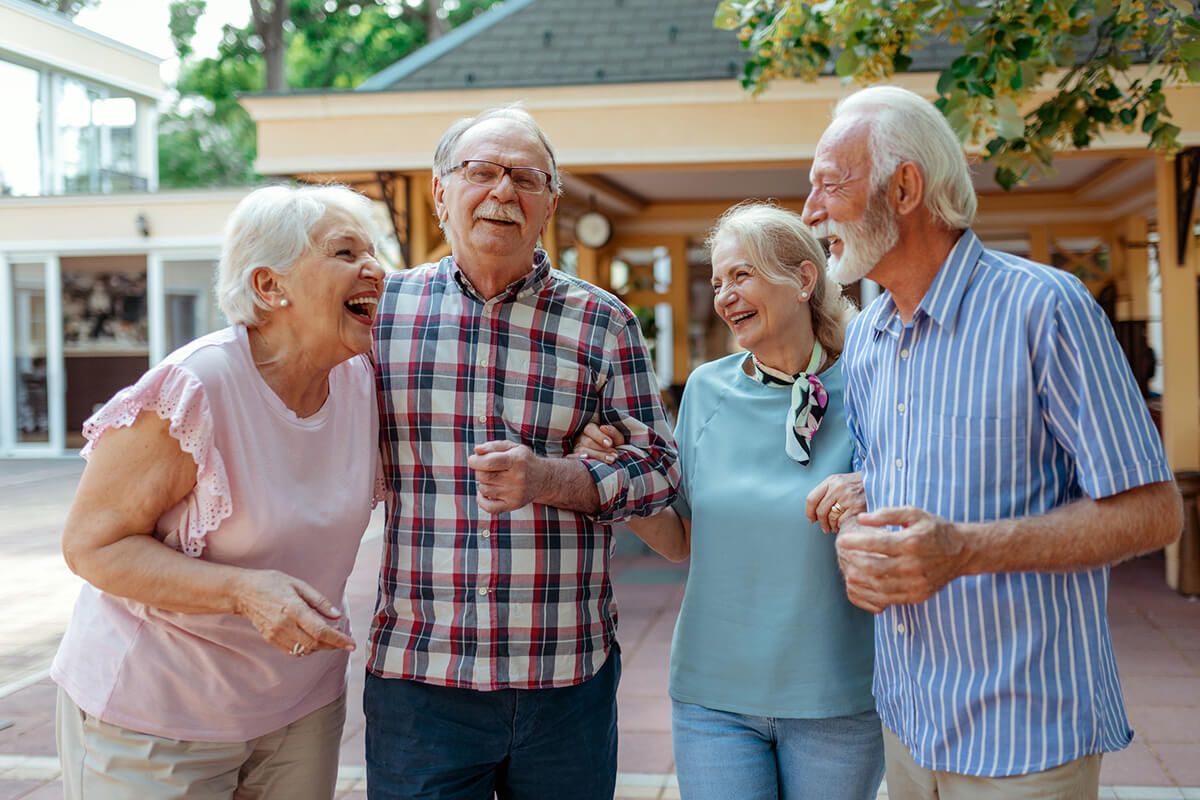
(807,406)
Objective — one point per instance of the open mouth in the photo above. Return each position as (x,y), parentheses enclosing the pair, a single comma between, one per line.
(506,222)
(829,242)
(736,319)
(362,307)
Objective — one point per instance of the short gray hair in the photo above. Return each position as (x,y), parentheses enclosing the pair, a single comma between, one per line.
(906,127)
(272,227)
(777,242)
(443,156)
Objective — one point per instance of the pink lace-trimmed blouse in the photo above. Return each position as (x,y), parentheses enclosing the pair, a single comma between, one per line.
(273,491)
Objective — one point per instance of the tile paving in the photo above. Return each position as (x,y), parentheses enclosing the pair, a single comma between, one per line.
(1156,633)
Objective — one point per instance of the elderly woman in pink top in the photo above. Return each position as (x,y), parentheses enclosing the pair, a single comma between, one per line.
(217,521)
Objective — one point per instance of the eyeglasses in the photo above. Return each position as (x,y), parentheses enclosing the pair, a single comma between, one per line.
(527,180)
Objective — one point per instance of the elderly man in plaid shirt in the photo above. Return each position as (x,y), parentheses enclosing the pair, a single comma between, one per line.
(494,663)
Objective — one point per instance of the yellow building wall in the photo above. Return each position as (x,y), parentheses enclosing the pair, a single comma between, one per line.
(51,223)
(34,37)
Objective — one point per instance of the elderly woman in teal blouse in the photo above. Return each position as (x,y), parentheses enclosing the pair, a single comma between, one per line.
(771,664)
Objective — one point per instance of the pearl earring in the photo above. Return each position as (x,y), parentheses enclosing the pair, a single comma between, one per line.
(284,303)
(804,295)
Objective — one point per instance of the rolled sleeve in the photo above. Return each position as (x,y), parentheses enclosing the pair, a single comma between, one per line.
(645,478)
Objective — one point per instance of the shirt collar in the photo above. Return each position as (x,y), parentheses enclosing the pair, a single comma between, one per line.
(943,299)
(524,286)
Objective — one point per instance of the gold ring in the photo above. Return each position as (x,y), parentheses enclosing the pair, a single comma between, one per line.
(837,509)
(297,649)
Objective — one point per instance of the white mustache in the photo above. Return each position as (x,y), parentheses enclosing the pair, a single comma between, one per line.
(826,229)
(509,212)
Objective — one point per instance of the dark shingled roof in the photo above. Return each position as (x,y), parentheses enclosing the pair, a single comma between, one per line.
(564,42)
(573,42)
(576,42)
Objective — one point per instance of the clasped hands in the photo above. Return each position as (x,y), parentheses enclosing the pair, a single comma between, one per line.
(885,567)
(507,475)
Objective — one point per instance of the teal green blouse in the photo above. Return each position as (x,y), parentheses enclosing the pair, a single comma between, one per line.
(765,628)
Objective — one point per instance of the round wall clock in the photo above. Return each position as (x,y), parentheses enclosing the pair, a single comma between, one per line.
(593,229)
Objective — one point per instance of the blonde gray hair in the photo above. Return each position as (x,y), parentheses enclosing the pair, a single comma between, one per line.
(777,242)
(272,227)
(443,156)
(906,127)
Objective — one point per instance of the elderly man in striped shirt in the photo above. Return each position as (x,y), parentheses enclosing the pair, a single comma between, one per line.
(1008,460)
(494,663)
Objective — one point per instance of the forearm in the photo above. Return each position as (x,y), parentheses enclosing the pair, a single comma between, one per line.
(666,533)
(566,483)
(143,569)
(1084,534)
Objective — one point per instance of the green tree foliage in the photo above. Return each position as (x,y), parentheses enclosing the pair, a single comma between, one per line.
(1109,63)
(208,139)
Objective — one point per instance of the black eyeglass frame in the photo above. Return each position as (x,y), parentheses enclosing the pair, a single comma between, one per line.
(462,167)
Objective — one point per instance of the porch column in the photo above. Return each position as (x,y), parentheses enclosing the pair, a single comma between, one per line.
(1039,244)
(678,295)
(1181,328)
(1135,266)
(418,223)
(1181,347)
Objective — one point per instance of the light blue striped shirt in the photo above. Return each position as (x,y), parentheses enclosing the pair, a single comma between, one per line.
(1006,396)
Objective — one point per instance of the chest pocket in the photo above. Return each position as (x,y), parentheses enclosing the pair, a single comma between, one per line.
(981,428)
(546,399)
(979,465)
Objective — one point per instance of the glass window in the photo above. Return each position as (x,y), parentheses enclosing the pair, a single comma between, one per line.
(95,139)
(20,150)
(29,352)
(105,332)
(190,310)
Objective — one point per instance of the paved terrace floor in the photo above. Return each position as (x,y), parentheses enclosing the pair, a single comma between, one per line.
(1157,635)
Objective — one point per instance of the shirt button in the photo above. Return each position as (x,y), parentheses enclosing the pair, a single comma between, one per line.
(904,353)
(483,362)
(900,407)
(483,590)
(900,627)
(483,417)
(485,533)
(899,463)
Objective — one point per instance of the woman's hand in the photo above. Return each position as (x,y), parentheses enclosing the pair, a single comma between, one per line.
(289,613)
(837,498)
(599,442)
(134,475)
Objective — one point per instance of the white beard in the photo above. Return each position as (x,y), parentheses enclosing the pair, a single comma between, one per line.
(864,242)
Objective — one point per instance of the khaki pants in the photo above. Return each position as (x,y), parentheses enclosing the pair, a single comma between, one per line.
(107,762)
(907,780)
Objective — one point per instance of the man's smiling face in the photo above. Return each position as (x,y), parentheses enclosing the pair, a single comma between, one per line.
(494,225)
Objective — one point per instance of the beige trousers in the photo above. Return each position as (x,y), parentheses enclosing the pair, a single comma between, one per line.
(107,762)
(907,780)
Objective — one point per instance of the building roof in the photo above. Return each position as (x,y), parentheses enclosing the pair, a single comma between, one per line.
(576,42)
(571,42)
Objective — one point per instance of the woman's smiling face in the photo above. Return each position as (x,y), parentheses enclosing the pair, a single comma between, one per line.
(335,286)
(761,314)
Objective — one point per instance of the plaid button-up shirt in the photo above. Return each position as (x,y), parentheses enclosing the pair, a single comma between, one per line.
(521,599)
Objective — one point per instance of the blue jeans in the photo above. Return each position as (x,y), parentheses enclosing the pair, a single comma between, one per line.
(432,742)
(720,755)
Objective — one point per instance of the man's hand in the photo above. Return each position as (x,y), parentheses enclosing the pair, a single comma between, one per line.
(885,568)
(508,475)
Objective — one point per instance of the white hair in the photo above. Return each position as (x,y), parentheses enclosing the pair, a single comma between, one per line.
(444,154)
(272,227)
(906,127)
